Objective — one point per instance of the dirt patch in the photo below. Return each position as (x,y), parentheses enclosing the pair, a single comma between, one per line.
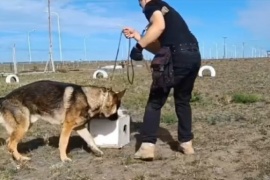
(232,139)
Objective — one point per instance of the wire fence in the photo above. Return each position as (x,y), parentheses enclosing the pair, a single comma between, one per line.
(27,55)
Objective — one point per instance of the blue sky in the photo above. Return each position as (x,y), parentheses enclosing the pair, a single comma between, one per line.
(99,22)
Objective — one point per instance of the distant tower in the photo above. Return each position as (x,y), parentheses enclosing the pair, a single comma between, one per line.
(224,48)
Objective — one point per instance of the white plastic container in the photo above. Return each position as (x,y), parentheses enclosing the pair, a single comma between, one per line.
(111,134)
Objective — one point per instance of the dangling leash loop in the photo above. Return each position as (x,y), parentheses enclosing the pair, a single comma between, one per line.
(131,64)
(129,61)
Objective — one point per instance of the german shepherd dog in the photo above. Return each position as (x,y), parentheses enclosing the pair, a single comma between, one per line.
(65,104)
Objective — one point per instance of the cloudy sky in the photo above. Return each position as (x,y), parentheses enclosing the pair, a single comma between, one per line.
(90,29)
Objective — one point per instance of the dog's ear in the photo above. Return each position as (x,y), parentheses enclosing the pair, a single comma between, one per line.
(120,94)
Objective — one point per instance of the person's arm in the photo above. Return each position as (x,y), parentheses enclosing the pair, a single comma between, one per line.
(154,31)
(137,36)
(153,47)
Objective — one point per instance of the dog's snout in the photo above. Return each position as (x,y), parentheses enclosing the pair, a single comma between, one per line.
(113,117)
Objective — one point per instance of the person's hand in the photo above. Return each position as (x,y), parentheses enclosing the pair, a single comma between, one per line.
(131,33)
(136,53)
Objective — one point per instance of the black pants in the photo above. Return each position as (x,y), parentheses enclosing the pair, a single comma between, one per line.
(187,65)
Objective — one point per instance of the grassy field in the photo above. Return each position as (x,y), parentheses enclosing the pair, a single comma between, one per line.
(231,124)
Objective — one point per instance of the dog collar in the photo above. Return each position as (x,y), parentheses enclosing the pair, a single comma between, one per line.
(104,100)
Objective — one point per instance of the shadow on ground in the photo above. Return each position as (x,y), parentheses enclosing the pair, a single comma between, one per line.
(26,147)
(2,141)
(76,141)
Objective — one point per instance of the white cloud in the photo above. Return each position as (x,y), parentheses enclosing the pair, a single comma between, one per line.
(255,18)
(77,19)
(22,16)
(101,20)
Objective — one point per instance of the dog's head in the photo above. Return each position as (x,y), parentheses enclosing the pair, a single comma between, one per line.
(111,102)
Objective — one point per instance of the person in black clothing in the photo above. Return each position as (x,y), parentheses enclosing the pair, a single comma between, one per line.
(167,28)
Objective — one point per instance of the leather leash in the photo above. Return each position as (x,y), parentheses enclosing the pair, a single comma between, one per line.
(129,61)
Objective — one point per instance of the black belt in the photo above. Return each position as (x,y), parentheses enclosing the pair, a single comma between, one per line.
(192,47)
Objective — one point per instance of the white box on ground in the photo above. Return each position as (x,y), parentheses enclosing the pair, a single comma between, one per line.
(111,134)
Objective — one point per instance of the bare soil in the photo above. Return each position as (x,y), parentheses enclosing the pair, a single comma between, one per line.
(232,139)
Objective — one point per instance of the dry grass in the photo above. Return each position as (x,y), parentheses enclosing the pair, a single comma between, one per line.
(231,126)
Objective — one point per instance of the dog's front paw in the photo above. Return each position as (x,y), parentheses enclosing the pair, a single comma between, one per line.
(7,140)
(98,152)
(19,157)
(65,159)
(25,158)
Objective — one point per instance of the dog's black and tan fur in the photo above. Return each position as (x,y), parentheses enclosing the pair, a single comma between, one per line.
(66,104)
